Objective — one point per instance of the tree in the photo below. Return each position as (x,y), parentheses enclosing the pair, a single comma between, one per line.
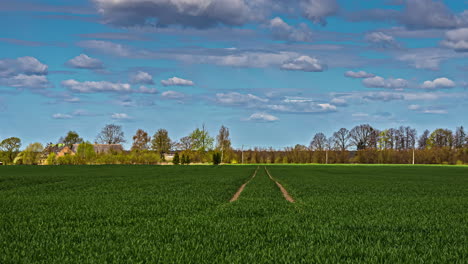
(223,141)
(31,154)
(86,152)
(216,158)
(141,140)
(441,138)
(71,138)
(161,142)
(423,139)
(11,146)
(185,143)
(111,134)
(361,136)
(51,159)
(176,159)
(459,138)
(341,139)
(318,142)
(201,140)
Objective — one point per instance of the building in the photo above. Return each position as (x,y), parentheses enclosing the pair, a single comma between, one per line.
(103,148)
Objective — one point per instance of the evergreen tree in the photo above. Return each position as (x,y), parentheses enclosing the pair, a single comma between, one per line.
(176,160)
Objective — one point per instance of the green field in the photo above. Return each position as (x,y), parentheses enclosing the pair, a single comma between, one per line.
(182,214)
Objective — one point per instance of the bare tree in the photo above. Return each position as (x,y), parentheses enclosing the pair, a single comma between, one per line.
(111,134)
(185,143)
(341,139)
(141,140)
(361,136)
(459,138)
(318,142)
(423,139)
(223,141)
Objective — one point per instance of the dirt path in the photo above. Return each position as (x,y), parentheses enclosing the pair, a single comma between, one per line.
(238,193)
(283,190)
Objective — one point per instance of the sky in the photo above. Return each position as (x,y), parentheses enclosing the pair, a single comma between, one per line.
(274,72)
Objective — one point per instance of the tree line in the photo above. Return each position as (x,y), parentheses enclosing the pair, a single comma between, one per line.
(361,144)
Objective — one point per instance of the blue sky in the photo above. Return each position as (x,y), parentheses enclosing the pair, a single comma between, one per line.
(273,71)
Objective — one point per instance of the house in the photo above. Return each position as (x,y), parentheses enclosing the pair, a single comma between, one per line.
(60,150)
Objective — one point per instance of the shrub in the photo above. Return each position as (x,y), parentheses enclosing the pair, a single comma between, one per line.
(216,158)
(176,159)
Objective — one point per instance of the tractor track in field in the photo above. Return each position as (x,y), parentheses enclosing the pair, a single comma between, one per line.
(238,193)
(283,190)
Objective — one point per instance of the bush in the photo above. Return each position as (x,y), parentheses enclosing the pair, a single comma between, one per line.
(51,159)
(176,159)
(216,158)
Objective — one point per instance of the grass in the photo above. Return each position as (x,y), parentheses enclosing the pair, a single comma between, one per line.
(181,214)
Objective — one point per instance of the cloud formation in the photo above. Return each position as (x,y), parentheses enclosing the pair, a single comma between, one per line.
(83,61)
(94,87)
(381,40)
(304,63)
(61,116)
(23,72)
(318,10)
(142,77)
(120,116)
(175,81)
(358,74)
(457,40)
(380,82)
(282,31)
(439,83)
(173,95)
(262,117)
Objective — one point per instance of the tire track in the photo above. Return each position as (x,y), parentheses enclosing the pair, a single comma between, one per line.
(238,193)
(283,190)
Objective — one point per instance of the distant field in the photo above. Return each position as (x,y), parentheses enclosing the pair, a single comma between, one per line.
(182,214)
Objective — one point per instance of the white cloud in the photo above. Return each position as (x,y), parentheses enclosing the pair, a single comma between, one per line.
(235,98)
(428,109)
(339,102)
(61,116)
(304,63)
(262,117)
(23,72)
(175,81)
(414,107)
(438,83)
(120,116)
(146,90)
(358,74)
(379,82)
(318,10)
(282,31)
(142,78)
(457,40)
(83,61)
(381,39)
(173,95)
(92,87)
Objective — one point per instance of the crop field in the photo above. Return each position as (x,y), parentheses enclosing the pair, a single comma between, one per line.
(183,214)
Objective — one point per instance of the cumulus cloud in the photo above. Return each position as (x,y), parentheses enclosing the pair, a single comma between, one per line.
(381,40)
(439,83)
(262,117)
(358,74)
(304,63)
(173,95)
(282,31)
(142,77)
(107,47)
(175,81)
(383,96)
(61,116)
(339,102)
(318,10)
(83,61)
(457,40)
(193,13)
(120,116)
(23,72)
(94,87)
(380,82)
